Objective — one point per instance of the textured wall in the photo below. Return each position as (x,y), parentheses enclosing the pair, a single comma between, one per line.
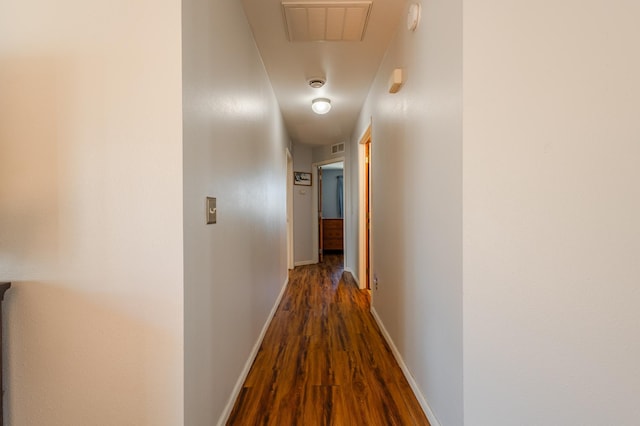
(302,207)
(234,150)
(417,203)
(91,212)
(551,208)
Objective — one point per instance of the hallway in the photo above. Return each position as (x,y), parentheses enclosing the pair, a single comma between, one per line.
(323,360)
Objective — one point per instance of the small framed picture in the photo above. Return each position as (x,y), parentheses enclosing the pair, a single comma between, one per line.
(302,178)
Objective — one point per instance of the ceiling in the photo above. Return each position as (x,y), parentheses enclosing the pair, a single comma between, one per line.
(348,66)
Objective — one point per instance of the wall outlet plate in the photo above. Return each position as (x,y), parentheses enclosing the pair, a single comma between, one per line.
(211,211)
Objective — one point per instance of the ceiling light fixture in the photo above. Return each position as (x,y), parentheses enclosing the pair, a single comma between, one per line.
(321,105)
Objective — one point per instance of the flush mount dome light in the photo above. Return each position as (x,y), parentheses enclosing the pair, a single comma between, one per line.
(321,105)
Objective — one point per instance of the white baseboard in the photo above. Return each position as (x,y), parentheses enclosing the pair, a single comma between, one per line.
(252,356)
(304,262)
(407,374)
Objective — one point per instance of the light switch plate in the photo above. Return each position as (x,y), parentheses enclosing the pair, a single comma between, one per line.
(211,210)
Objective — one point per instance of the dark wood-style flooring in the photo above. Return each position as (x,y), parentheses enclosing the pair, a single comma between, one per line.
(323,360)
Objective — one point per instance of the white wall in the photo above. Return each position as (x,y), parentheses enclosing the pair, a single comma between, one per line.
(234,150)
(551,208)
(323,153)
(302,206)
(91,212)
(417,203)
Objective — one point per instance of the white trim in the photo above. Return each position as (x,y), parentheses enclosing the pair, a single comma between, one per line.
(407,374)
(366,130)
(362,214)
(252,356)
(362,218)
(290,217)
(314,203)
(306,262)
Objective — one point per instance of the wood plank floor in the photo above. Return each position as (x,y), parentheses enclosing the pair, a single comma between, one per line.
(323,360)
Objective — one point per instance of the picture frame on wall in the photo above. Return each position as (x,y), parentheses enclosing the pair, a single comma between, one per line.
(302,178)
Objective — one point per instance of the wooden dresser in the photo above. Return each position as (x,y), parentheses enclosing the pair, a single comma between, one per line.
(332,238)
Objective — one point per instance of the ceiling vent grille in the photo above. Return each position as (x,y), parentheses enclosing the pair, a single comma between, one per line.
(326,20)
(337,148)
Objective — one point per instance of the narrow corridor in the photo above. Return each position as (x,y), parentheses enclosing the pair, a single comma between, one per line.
(323,360)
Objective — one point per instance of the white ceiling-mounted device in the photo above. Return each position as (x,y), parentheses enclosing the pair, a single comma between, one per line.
(316,82)
(326,20)
(413,16)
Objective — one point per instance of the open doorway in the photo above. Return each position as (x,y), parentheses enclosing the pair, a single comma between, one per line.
(329,207)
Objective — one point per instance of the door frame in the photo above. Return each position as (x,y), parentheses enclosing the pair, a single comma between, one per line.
(364,198)
(319,214)
(289,180)
(315,243)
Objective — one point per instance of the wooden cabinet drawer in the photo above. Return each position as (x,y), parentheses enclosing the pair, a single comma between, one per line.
(332,234)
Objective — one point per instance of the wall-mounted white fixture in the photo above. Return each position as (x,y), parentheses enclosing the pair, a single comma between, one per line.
(396,80)
(321,105)
(413,16)
(316,82)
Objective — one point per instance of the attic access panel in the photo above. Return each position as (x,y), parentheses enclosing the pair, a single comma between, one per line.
(325,20)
